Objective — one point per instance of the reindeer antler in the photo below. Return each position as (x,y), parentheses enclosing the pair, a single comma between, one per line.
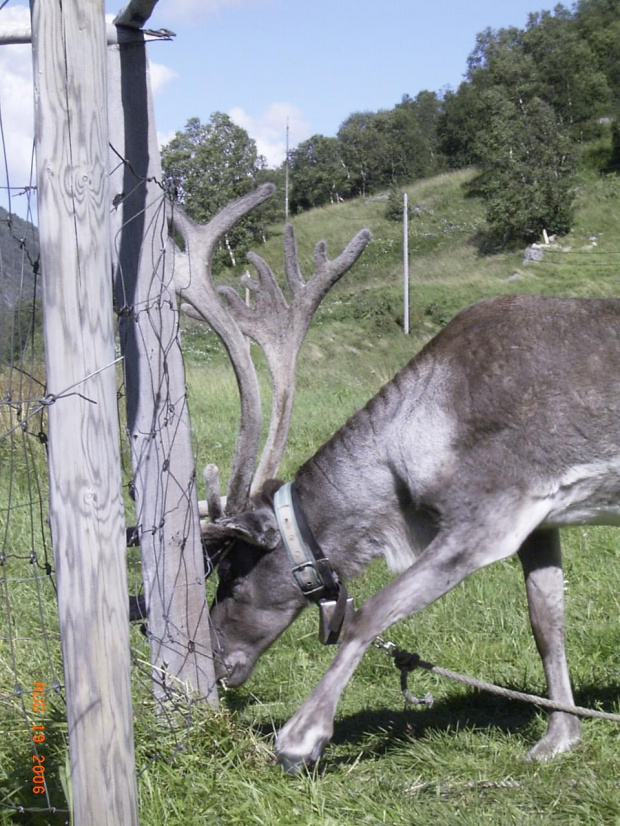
(280,327)
(277,325)
(194,283)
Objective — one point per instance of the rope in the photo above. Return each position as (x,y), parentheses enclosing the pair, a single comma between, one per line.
(406,662)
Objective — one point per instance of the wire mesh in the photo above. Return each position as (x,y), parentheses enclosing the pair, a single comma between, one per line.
(34,762)
(32,701)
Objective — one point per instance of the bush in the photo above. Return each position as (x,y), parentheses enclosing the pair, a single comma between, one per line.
(395,208)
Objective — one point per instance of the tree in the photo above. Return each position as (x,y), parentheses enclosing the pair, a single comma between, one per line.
(527,171)
(569,77)
(598,23)
(208,165)
(385,148)
(458,126)
(318,173)
(426,108)
(549,60)
(363,149)
(405,154)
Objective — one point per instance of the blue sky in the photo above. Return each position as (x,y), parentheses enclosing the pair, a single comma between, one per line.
(319,61)
(263,61)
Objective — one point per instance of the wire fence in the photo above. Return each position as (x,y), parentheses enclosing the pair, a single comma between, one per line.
(34,763)
(32,702)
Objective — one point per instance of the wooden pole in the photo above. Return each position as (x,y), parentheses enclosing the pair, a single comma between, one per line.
(158,427)
(13,34)
(406,264)
(86,507)
(135,13)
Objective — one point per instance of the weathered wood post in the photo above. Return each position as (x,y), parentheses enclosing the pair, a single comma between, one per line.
(86,507)
(157,416)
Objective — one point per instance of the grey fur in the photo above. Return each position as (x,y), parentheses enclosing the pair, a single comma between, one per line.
(504,428)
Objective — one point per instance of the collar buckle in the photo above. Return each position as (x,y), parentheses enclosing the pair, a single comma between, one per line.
(311,569)
(308,578)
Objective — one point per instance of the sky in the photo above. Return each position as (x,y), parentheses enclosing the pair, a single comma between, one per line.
(313,62)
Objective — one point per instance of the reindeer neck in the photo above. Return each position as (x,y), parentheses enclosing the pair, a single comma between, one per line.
(347,488)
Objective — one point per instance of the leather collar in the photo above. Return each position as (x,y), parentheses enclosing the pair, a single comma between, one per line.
(311,569)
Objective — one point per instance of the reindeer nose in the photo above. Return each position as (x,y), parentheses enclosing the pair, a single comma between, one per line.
(222,671)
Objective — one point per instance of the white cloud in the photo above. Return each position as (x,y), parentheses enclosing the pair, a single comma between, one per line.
(165,137)
(160,76)
(17,110)
(269,129)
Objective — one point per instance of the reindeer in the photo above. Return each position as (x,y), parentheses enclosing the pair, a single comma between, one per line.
(501,430)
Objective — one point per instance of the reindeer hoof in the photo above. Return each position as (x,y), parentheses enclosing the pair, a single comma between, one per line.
(547,750)
(558,740)
(300,745)
(293,764)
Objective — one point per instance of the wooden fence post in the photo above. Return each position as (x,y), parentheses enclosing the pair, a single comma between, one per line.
(157,415)
(86,507)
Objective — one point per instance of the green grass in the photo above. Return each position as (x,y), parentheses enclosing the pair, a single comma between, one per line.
(463,760)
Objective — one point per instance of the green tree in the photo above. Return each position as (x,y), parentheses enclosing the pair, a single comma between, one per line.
(497,69)
(459,124)
(405,154)
(427,109)
(206,166)
(395,208)
(318,174)
(363,148)
(528,171)
(598,23)
(548,60)
(381,149)
(569,76)
(614,159)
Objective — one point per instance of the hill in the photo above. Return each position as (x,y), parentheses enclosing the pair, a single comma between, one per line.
(463,760)
(449,267)
(19,249)
(18,240)
(356,341)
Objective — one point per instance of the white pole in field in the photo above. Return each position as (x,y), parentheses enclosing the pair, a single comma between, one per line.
(86,505)
(286,178)
(406,264)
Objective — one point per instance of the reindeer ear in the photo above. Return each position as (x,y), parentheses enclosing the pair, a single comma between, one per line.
(257,527)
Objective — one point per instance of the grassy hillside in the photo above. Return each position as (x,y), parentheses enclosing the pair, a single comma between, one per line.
(462,761)
(356,342)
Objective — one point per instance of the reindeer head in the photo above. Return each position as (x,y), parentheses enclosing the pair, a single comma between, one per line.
(257,597)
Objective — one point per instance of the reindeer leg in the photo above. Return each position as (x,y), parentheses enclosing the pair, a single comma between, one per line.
(541,558)
(449,558)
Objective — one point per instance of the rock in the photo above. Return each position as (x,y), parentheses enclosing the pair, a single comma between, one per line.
(533,253)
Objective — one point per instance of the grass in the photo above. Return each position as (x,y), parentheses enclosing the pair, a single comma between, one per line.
(461,761)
